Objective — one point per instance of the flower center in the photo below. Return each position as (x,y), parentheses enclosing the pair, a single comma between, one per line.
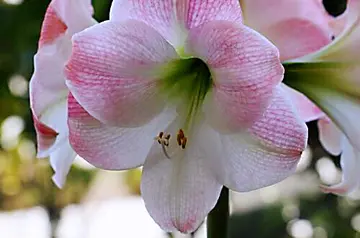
(186,83)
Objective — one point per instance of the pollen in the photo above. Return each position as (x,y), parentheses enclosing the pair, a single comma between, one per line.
(181,139)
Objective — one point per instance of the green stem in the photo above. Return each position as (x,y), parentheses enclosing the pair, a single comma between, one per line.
(217,221)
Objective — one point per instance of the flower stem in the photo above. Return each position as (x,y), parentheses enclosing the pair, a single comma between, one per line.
(217,221)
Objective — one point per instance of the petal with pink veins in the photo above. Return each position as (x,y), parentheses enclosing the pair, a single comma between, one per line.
(296,27)
(330,136)
(181,190)
(113,72)
(245,68)
(110,147)
(173,18)
(266,154)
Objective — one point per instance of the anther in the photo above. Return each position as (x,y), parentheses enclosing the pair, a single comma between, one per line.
(181,139)
(164,141)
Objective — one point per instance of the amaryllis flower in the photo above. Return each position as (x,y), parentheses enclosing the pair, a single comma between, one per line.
(48,92)
(329,77)
(188,91)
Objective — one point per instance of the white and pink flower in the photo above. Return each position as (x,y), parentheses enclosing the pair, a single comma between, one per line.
(48,91)
(185,89)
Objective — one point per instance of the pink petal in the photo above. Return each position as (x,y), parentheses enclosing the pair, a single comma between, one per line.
(63,15)
(245,69)
(179,192)
(52,27)
(158,14)
(194,13)
(172,18)
(307,110)
(110,147)
(296,27)
(47,85)
(343,48)
(330,136)
(113,68)
(45,137)
(265,155)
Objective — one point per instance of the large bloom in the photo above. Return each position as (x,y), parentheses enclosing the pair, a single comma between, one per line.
(206,87)
(329,77)
(48,92)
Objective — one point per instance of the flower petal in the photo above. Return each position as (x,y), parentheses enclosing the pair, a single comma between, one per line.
(344,47)
(112,72)
(61,160)
(350,164)
(334,88)
(330,136)
(52,129)
(45,137)
(267,154)
(53,27)
(173,18)
(307,110)
(194,13)
(245,68)
(76,15)
(159,15)
(179,192)
(296,27)
(46,90)
(110,147)
(47,85)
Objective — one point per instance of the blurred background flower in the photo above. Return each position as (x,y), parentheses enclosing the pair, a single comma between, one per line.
(96,203)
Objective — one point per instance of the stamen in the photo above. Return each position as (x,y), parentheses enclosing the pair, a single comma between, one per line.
(164,140)
(181,139)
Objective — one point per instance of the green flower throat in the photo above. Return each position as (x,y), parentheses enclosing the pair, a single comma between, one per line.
(187,81)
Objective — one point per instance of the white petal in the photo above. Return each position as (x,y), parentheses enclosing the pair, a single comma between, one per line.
(179,192)
(61,160)
(110,147)
(55,117)
(344,111)
(265,154)
(350,164)
(330,136)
